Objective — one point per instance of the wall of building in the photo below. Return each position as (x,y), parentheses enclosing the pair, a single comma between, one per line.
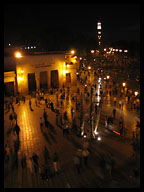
(8,78)
(38,63)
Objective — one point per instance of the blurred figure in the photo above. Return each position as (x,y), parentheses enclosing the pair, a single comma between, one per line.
(23,160)
(56,163)
(41,124)
(35,162)
(114,113)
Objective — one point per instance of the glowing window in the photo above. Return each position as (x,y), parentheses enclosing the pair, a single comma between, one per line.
(98,25)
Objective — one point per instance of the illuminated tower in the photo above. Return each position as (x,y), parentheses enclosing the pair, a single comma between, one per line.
(99,34)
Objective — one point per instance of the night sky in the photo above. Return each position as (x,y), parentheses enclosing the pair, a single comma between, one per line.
(119,21)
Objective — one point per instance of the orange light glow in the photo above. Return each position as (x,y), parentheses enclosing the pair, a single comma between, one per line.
(124,84)
(72,51)
(116,132)
(18,55)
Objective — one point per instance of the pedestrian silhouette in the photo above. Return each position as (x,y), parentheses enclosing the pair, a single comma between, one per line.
(56,163)
(17,129)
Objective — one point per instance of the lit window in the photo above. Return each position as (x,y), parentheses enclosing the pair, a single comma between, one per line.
(98,25)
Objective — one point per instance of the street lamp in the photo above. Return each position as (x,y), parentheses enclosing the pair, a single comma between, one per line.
(123,84)
(108,76)
(136,93)
(72,51)
(18,54)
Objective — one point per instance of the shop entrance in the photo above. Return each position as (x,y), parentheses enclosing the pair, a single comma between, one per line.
(54,79)
(9,89)
(31,82)
(43,80)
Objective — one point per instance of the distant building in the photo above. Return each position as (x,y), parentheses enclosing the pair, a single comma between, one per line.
(38,70)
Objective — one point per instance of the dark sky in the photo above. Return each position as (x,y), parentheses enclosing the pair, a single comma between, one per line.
(119,21)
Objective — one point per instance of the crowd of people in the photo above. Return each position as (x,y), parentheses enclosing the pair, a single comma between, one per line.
(51,166)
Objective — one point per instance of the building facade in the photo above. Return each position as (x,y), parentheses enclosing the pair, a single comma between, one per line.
(44,70)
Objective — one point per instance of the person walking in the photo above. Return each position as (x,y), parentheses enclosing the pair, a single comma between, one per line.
(61,120)
(12,108)
(14,116)
(46,102)
(114,113)
(115,100)
(11,120)
(46,155)
(24,99)
(137,134)
(41,124)
(126,99)
(45,118)
(121,127)
(85,154)
(57,114)
(79,154)
(106,124)
(77,163)
(36,101)
(17,129)
(120,102)
(7,152)
(35,162)
(30,165)
(72,112)
(96,108)
(134,104)
(55,163)
(65,115)
(65,130)
(43,171)
(23,160)
(30,104)
(137,107)
(52,107)
(16,146)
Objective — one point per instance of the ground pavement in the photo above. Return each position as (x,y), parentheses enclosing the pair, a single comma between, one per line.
(33,140)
